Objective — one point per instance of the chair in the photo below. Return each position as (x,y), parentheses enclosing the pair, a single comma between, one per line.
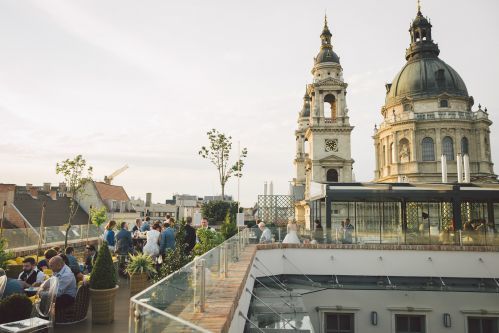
(76,312)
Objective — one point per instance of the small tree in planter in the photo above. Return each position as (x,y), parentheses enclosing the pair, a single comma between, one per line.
(140,268)
(15,307)
(103,287)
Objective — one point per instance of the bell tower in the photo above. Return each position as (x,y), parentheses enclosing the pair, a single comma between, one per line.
(323,153)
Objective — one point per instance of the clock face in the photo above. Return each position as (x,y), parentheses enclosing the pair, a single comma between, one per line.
(331,145)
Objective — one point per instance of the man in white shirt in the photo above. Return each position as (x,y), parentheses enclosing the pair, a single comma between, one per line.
(266,236)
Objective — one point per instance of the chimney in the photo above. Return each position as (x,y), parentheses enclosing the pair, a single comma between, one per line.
(148,199)
(28,186)
(265,188)
(33,191)
(443,162)
(62,188)
(53,194)
(46,187)
(271,188)
(459,168)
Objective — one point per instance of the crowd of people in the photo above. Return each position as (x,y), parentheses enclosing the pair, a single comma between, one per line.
(61,264)
(153,238)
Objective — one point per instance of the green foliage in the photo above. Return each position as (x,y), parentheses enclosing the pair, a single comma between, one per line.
(4,255)
(103,273)
(99,216)
(15,307)
(208,239)
(141,263)
(178,258)
(218,153)
(229,227)
(215,211)
(76,174)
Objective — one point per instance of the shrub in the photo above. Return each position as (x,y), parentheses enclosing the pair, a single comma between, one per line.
(4,255)
(15,307)
(103,273)
(208,239)
(229,227)
(215,211)
(178,258)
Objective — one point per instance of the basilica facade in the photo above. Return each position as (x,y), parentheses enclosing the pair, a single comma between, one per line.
(429,125)
(429,119)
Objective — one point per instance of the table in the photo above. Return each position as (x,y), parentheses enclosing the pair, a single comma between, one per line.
(26,325)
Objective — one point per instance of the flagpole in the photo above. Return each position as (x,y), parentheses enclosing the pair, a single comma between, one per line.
(42,225)
(238,175)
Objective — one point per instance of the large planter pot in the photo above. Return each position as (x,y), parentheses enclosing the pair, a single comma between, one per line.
(138,282)
(103,305)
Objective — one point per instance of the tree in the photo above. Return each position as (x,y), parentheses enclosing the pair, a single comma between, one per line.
(76,174)
(229,227)
(218,153)
(103,273)
(99,216)
(216,210)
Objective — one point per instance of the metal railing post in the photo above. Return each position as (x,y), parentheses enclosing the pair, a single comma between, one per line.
(200,289)
(226,260)
(221,261)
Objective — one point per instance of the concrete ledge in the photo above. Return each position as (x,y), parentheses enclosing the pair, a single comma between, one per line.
(374,246)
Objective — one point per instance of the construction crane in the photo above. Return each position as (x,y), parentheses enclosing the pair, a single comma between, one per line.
(109,179)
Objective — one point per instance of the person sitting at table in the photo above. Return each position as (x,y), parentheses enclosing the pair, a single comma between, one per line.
(13,286)
(66,290)
(31,276)
(146,225)
(49,254)
(124,243)
(73,262)
(91,254)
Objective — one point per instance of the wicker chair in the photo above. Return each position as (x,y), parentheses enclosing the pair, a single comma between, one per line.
(76,312)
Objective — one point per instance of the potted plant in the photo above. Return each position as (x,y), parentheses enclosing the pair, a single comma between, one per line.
(15,307)
(103,287)
(140,268)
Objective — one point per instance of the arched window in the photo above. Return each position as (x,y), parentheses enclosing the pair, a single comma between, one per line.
(329,98)
(428,149)
(306,148)
(332,175)
(464,145)
(448,148)
(391,157)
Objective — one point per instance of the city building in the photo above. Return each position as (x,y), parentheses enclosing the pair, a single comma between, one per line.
(113,197)
(153,210)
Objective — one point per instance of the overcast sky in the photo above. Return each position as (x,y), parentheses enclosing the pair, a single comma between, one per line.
(140,82)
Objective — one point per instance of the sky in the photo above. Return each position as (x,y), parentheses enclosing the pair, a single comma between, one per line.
(141,82)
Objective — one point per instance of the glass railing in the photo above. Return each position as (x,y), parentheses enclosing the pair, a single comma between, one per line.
(27,237)
(174,303)
(397,237)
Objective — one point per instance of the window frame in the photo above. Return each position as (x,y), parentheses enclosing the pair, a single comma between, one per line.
(350,311)
(443,100)
(452,158)
(480,316)
(409,313)
(423,149)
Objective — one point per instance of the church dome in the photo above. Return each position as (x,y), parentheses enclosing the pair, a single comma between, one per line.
(424,75)
(426,78)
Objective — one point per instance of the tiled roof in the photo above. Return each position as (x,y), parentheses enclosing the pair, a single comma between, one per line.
(56,211)
(111,192)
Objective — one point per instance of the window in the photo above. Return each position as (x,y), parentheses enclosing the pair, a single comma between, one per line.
(407,107)
(339,323)
(428,149)
(444,103)
(483,325)
(332,175)
(331,99)
(464,145)
(448,148)
(409,324)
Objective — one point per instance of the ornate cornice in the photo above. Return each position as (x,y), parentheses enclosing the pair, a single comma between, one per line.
(329,81)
